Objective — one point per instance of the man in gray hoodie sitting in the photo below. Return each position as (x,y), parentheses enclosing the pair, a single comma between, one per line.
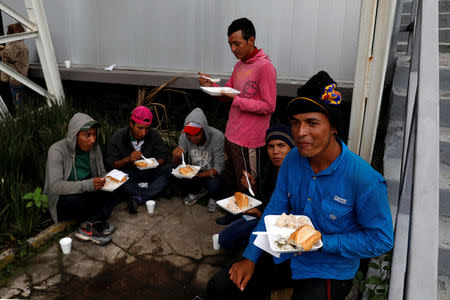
(74,176)
(202,146)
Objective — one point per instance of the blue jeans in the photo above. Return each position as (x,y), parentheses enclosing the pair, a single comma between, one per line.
(16,94)
(86,206)
(158,179)
(195,185)
(236,235)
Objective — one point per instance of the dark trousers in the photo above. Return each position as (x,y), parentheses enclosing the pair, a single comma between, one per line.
(237,159)
(158,179)
(236,235)
(268,277)
(93,206)
(211,184)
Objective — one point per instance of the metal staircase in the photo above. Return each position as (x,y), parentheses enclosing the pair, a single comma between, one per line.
(409,71)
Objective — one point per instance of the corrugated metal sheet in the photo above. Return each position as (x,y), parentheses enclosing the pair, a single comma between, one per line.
(300,36)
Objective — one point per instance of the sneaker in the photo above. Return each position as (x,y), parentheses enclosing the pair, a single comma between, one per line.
(133,203)
(191,199)
(227,219)
(212,206)
(87,232)
(104,227)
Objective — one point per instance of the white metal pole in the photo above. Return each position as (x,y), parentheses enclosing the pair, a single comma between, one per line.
(382,41)
(363,62)
(45,49)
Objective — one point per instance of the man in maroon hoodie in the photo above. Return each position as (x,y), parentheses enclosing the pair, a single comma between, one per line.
(249,117)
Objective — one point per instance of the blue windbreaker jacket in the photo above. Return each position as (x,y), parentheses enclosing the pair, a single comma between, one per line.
(347,203)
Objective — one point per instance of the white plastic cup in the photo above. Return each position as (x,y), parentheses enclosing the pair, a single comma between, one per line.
(215,239)
(66,244)
(67,63)
(150,206)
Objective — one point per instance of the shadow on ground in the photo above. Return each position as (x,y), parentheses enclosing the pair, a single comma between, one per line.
(141,279)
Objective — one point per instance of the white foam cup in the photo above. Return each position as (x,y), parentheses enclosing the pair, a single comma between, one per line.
(67,63)
(215,239)
(66,244)
(150,206)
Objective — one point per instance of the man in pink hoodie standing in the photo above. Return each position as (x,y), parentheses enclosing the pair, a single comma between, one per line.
(249,118)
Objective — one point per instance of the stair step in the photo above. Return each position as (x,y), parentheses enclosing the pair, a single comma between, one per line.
(392,176)
(444,6)
(444,35)
(444,246)
(444,19)
(443,287)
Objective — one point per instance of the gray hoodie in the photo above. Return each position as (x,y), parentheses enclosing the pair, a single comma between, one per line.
(61,160)
(210,154)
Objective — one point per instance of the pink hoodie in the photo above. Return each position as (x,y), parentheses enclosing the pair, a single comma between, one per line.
(249,116)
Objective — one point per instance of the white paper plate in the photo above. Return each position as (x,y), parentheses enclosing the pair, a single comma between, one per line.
(274,233)
(251,201)
(177,174)
(216,90)
(151,163)
(111,185)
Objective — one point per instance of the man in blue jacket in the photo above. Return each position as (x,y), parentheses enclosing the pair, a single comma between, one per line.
(345,198)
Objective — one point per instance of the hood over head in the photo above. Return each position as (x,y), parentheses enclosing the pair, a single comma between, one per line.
(199,117)
(75,124)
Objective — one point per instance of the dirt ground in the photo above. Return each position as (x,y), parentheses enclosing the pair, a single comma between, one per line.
(142,279)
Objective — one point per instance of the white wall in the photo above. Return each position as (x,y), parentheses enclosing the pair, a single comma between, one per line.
(300,36)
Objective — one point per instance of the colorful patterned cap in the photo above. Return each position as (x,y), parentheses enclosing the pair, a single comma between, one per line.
(319,94)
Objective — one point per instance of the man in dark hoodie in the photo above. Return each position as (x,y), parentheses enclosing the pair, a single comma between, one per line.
(202,146)
(73,178)
(135,142)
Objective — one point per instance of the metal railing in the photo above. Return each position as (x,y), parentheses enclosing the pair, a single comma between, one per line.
(415,259)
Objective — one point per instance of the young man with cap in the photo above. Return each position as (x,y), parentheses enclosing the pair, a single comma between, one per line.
(73,178)
(132,143)
(278,143)
(249,117)
(202,146)
(345,198)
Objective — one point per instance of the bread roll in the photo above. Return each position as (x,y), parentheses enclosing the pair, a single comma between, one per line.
(241,200)
(114,179)
(304,238)
(141,164)
(186,171)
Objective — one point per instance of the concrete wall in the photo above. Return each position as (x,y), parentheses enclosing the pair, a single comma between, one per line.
(301,36)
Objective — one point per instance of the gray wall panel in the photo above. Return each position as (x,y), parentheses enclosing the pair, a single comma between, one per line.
(300,36)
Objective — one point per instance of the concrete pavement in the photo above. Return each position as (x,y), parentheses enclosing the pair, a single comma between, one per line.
(167,254)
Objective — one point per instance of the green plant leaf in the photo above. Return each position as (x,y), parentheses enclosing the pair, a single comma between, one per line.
(28,196)
(29,204)
(362,288)
(387,267)
(37,194)
(374,280)
(381,291)
(359,275)
(374,266)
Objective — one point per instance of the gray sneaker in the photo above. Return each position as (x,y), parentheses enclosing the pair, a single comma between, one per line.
(191,199)
(212,206)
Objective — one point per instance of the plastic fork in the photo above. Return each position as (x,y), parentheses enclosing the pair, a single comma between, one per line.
(249,185)
(216,80)
(182,159)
